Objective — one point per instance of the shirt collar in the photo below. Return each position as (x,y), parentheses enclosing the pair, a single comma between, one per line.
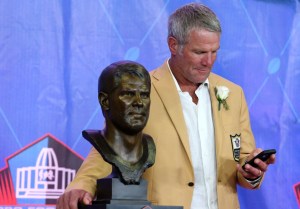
(205,83)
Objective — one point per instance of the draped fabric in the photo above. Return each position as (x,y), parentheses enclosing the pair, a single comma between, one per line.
(52,52)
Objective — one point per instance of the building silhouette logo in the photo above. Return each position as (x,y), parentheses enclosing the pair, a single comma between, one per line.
(45,179)
(38,173)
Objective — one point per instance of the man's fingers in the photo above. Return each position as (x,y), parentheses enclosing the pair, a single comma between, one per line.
(73,202)
(71,199)
(59,203)
(78,196)
(249,172)
(272,159)
(63,202)
(87,199)
(256,152)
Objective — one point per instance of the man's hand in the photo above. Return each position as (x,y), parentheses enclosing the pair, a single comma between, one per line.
(70,199)
(253,173)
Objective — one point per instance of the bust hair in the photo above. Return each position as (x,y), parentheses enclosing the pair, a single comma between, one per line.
(112,74)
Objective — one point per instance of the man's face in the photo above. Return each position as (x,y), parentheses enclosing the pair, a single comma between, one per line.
(195,59)
(129,104)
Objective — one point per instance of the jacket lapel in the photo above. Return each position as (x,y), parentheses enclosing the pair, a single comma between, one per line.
(164,85)
(217,115)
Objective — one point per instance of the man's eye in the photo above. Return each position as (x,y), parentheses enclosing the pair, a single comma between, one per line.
(199,52)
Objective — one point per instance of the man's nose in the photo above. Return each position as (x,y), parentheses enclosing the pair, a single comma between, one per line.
(207,60)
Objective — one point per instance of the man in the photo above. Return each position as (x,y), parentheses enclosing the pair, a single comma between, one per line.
(202,136)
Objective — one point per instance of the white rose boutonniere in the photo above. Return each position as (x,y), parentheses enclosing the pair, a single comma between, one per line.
(222,93)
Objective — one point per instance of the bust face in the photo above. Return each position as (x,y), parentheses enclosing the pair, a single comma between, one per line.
(129,104)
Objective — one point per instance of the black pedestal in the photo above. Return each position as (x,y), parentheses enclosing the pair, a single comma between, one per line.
(113,194)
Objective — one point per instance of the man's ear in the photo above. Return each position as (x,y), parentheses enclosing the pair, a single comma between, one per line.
(103,100)
(173,45)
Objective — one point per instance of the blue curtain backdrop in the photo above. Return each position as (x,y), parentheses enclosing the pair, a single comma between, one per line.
(52,52)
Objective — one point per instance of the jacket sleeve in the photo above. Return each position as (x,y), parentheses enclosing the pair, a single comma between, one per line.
(248,142)
(92,168)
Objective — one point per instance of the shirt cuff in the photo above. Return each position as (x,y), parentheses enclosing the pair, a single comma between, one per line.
(254,182)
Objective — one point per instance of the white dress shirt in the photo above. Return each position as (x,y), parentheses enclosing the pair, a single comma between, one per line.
(199,123)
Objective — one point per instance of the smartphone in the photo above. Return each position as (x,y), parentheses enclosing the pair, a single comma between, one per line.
(264,156)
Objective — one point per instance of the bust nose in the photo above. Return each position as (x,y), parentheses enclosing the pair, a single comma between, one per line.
(138,100)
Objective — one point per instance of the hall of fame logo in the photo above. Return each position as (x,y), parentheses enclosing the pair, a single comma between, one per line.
(236,146)
(45,179)
(38,173)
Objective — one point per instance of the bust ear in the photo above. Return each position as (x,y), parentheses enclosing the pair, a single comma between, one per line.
(103,100)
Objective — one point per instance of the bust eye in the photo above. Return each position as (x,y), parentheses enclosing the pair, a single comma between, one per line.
(145,95)
(127,93)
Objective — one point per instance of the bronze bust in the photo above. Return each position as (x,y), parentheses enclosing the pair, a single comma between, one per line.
(124,95)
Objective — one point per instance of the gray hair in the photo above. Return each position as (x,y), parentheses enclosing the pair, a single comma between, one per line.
(189,17)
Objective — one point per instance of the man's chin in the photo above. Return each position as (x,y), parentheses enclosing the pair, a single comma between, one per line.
(200,78)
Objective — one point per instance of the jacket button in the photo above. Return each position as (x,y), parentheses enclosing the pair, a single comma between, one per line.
(190,184)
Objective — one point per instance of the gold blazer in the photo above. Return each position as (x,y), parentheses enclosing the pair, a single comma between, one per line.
(170,180)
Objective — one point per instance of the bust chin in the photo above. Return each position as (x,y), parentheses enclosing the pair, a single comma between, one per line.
(127,172)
